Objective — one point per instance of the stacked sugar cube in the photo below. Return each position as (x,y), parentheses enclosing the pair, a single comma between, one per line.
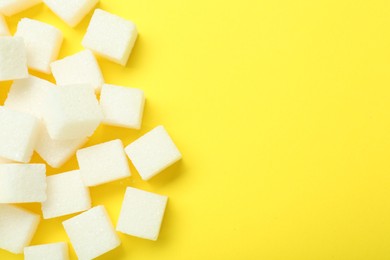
(56,120)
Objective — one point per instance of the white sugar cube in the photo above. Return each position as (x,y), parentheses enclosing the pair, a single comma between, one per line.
(56,152)
(11,7)
(122,106)
(71,11)
(28,95)
(13,57)
(153,152)
(3,160)
(17,227)
(91,233)
(43,43)
(110,36)
(72,112)
(22,183)
(142,213)
(80,68)
(18,135)
(103,163)
(66,194)
(53,251)
(4,31)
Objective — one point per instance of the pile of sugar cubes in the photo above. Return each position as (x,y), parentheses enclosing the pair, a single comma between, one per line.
(56,120)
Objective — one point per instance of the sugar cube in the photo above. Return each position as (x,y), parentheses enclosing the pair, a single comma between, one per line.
(17,227)
(110,36)
(18,135)
(71,11)
(13,57)
(122,106)
(153,152)
(141,214)
(3,160)
(43,43)
(66,194)
(103,163)
(28,95)
(4,31)
(53,251)
(22,183)
(80,68)
(56,152)
(71,112)
(11,7)
(91,233)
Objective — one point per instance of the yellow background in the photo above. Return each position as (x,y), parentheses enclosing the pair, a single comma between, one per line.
(281,110)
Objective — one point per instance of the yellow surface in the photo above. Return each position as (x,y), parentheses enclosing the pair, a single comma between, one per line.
(282,112)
